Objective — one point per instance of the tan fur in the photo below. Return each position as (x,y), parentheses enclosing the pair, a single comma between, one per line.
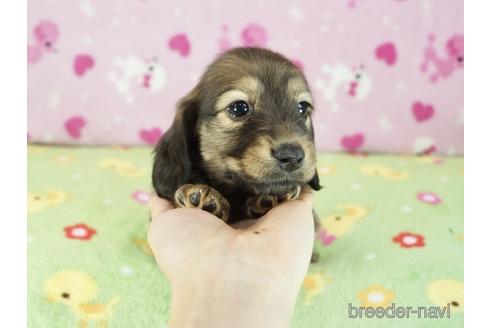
(251,86)
(230,96)
(257,159)
(207,144)
(296,87)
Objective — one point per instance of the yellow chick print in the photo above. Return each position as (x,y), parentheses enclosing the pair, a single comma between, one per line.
(447,291)
(343,219)
(37,201)
(326,170)
(64,159)
(314,284)
(77,290)
(384,172)
(428,159)
(143,245)
(121,167)
(35,150)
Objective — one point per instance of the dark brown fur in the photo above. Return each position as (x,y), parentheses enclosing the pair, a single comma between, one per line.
(204,146)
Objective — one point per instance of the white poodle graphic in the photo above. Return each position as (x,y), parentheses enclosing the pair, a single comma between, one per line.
(131,72)
(340,78)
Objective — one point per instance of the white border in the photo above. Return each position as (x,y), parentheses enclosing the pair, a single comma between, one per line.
(478,148)
(478,176)
(13,226)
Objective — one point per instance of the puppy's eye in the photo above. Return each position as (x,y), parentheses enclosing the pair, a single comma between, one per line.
(238,108)
(303,108)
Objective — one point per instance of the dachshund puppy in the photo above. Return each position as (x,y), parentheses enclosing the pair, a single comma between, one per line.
(242,140)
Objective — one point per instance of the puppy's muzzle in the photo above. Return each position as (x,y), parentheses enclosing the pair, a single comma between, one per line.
(289,156)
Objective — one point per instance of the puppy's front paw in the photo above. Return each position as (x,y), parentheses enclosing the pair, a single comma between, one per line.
(259,205)
(204,197)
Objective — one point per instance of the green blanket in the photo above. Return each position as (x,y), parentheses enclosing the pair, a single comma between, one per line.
(391,233)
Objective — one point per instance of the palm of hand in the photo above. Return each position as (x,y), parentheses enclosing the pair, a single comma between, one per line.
(194,247)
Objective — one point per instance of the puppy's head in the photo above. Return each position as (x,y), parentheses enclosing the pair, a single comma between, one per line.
(247,123)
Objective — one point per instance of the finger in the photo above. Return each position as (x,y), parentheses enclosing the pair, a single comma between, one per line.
(158,205)
(290,224)
(307,196)
(293,214)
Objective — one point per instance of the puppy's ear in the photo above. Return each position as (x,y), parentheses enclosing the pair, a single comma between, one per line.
(314,183)
(177,151)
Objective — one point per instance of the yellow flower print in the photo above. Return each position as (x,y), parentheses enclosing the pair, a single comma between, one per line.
(375,296)
(383,171)
(34,150)
(37,201)
(447,291)
(121,167)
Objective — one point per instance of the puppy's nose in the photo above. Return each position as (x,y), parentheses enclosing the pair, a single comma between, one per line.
(289,156)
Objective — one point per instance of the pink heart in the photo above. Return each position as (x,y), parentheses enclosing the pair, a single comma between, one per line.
(387,53)
(422,112)
(74,126)
(353,142)
(180,43)
(254,35)
(82,63)
(151,136)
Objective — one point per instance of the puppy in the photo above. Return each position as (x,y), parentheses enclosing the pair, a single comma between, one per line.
(242,140)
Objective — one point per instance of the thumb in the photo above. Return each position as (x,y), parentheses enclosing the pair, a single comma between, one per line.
(177,236)
(291,224)
(293,215)
(158,205)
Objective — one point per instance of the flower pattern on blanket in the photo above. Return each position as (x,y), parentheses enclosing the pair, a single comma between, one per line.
(79,231)
(380,240)
(409,240)
(78,291)
(375,296)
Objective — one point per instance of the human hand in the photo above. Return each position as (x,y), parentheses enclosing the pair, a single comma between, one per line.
(247,275)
